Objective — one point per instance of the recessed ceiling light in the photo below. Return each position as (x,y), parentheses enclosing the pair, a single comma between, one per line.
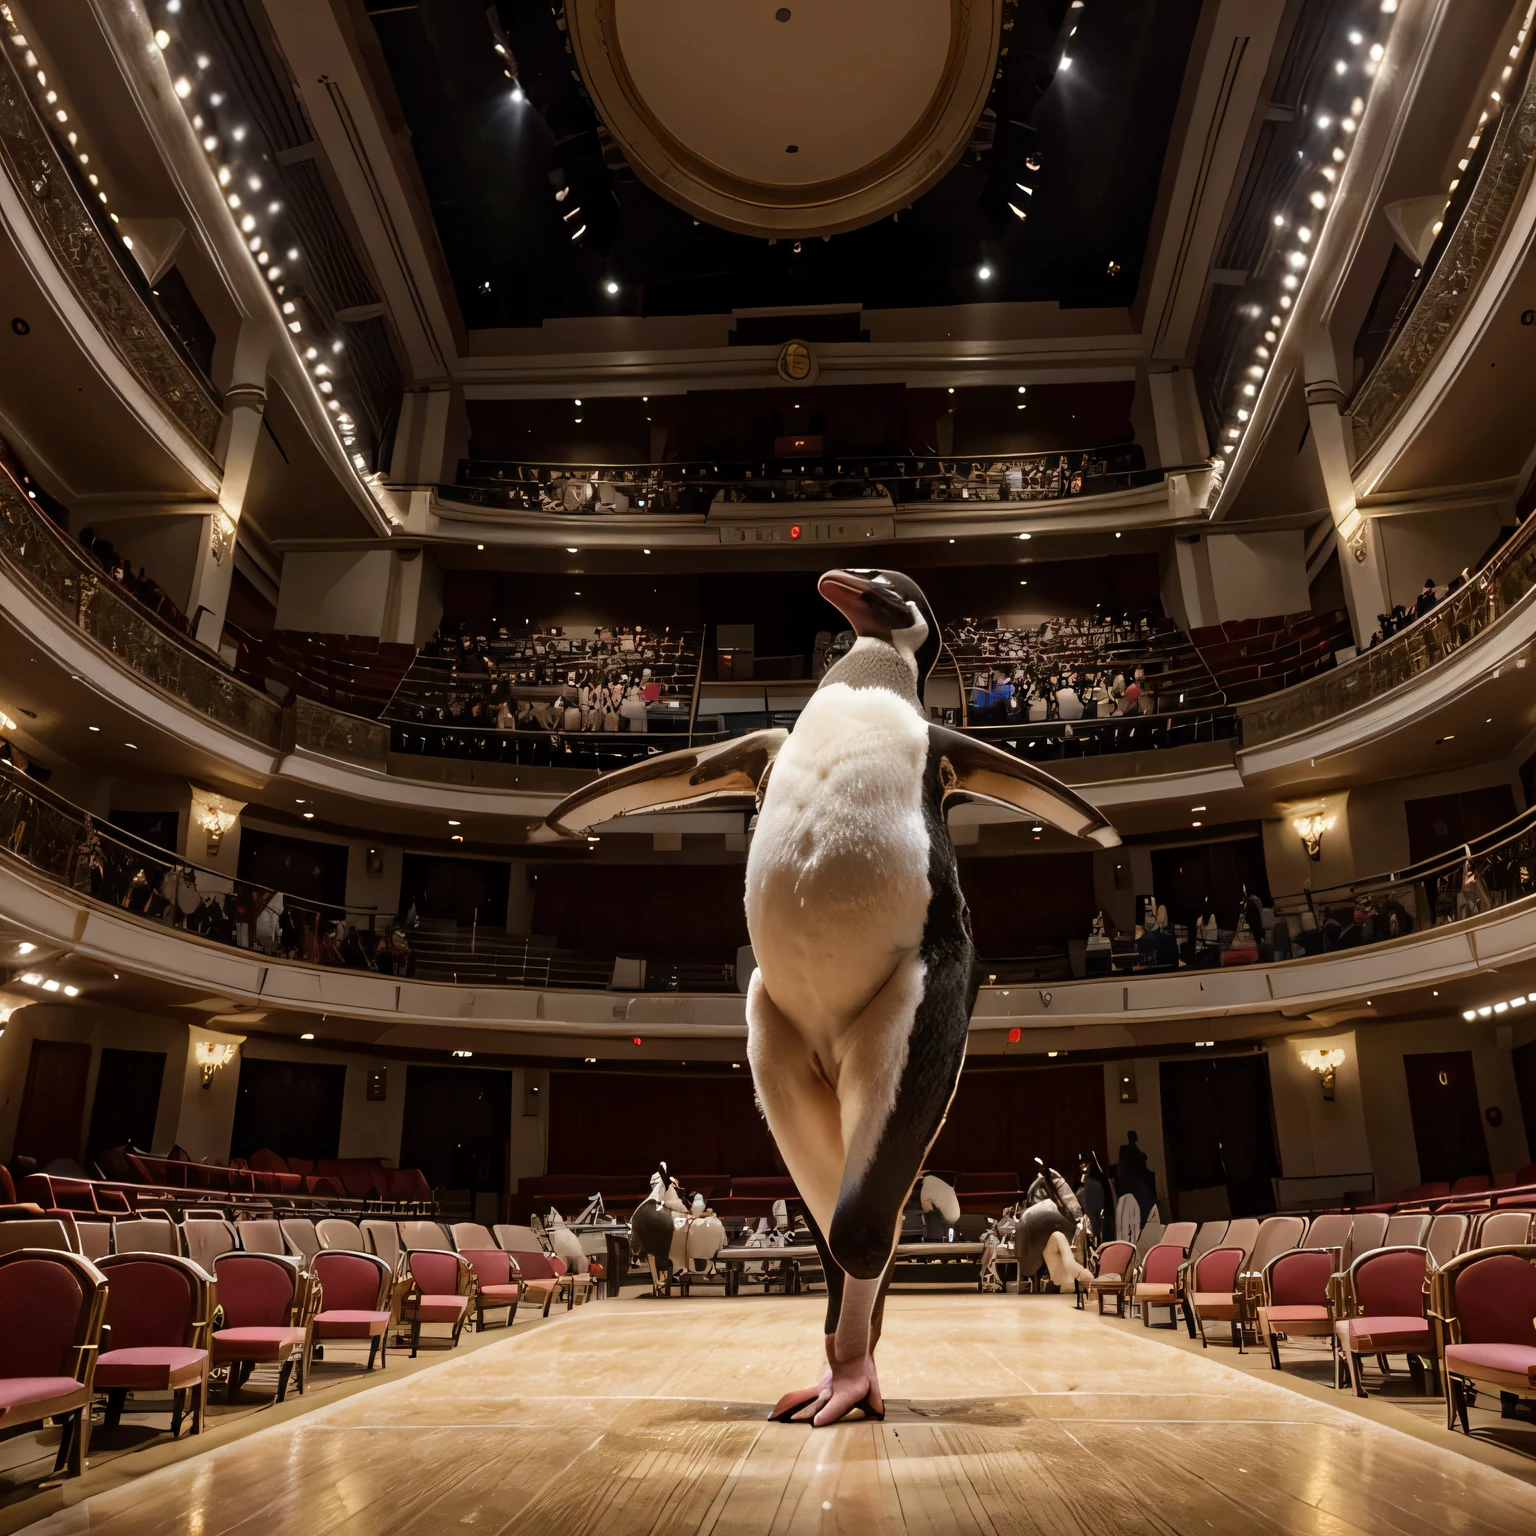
(309,815)
(1195,808)
(93,727)
(611,287)
(1026,535)
(71,991)
(133,746)
(455,823)
(25,949)
(984,273)
(570,550)
(306,1036)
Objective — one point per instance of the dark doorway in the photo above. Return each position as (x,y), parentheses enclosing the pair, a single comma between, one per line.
(53,1101)
(1443,822)
(158,828)
(293,1107)
(127,1100)
(1447,1119)
(1218,1128)
(1006,1119)
(1525,1081)
(311,871)
(458,1127)
(1182,878)
(460,890)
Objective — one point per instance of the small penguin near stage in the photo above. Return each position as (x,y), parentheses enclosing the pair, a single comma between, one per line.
(858,1012)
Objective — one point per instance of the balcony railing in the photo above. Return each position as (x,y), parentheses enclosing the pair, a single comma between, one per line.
(1488,872)
(696,486)
(39,553)
(1472,235)
(1503,583)
(94,264)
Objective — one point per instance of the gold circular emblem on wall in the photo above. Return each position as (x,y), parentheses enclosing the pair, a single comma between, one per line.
(797,363)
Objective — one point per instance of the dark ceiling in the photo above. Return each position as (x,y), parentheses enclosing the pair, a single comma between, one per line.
(492,165)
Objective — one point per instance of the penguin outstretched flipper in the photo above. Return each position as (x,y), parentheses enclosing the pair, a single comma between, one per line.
(971,769)
(727,775)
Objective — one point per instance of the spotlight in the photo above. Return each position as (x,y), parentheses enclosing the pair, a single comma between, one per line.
(984,273)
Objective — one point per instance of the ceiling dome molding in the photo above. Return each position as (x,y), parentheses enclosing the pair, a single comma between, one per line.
(907,117)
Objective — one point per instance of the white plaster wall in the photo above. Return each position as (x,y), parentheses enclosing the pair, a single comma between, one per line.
(335,592)
(1439,544)
(1257,575)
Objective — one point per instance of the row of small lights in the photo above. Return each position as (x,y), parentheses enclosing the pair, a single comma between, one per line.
(1488,1009)
(1296,260)
(322,366)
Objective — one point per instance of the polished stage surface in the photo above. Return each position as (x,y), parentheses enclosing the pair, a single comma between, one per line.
(1005,1414)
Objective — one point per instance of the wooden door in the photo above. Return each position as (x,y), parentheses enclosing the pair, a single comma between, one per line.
(1447,1119)
(53,1102)
(127,1099)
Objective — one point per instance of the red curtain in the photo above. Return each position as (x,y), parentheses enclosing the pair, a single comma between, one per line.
(1004,1118)
(627,1122)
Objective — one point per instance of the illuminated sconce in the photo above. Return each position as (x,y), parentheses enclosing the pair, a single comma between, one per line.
(215,814)
(1325,1064)
(221,535)
(1311,829)
(210,1055)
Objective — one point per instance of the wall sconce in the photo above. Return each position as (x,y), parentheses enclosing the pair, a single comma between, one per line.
(210,1055)
(1311,829)
(1325,1064)
(215,814)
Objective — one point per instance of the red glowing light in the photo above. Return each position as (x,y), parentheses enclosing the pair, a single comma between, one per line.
(1014,1036)
(794,531)
(638,1040)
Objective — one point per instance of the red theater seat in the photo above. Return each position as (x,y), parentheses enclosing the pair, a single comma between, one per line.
(159,1312)
(269,1303)
(356,1292)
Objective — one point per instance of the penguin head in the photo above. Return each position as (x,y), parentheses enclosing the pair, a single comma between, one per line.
(887,607)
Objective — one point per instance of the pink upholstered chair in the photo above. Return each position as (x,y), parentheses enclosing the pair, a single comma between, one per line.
(1295,1296)
(269,1302)
(1157,1284)
(496,1281)
(159,1316)
(1382,1313)
(51,1306)
(1113,1275)
(441,1286)
(355,1300)
(1215,1292)
(1483,1304)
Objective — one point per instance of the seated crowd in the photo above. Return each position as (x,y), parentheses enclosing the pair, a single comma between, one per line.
(144,587)
(613,680)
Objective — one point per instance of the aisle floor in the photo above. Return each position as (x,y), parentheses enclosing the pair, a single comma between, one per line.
(1005,1414)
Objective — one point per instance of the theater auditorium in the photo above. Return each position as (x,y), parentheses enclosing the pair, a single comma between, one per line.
(768,767)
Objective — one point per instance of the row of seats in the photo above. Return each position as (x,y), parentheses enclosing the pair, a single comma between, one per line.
(1252,657)
(357,674)
(1454,1289)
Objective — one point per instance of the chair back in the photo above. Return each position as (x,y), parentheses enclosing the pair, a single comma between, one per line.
(1116,1258)
(383,1238)
(1447,1237)
(156,1300)
(1150,1236)
(1277,1234)
(422,1234)
(1216,1269)
(1161,1265)
(1330,1230)
(1300,1278)
(1406,1231)
(435,1270)
(261,1236)
(1500,1229)
(518,1239)
(1488,1296)
(470,1234)
(207,1240)
(353,1282)
(542,1266)
(51,1305)
(1210,1233)
(94,1238)
(1389,1282)
(257,1290)
(145,1234)
(1367,1232)
(300,1235)
(492,1266)
(35,1232)
(337,1232)
(1180,1234)
(1242,1233)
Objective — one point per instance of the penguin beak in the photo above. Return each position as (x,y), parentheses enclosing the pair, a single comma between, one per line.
(872,609)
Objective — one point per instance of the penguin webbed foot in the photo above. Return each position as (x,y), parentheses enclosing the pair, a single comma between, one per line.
(855,1389)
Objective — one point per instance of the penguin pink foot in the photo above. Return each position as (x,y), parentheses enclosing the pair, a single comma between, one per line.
(855,1389)
(802,1404)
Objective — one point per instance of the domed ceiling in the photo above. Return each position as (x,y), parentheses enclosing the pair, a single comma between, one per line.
(804,119)
(632,157)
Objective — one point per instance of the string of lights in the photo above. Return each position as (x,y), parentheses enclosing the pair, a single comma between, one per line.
(241,166)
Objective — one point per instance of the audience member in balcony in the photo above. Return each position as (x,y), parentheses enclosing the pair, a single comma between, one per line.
(1069,702)
(1427,598)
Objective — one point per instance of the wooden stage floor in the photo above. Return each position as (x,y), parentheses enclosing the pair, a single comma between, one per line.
(1005,1414)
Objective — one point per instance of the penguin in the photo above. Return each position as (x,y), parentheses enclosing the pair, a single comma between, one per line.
(858,1011)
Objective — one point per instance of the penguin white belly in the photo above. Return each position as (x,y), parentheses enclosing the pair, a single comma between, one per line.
(837,879)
